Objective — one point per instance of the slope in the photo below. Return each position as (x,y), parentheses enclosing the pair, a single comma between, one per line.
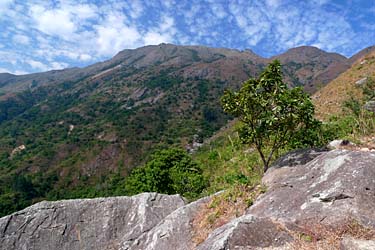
(329,100)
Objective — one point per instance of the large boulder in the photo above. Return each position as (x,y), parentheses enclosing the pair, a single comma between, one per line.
(103,223)
(335,186)
(330,189)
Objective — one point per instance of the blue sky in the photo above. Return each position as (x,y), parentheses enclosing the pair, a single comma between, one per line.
(40,35)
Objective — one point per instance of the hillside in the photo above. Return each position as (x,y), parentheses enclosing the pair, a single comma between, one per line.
(329,99)
(64,134)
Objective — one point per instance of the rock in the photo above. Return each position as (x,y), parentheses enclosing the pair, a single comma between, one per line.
(370,106)
(17,150)
(298,157)
(337,144)
(173,232)
(361,81)
(335,186)
(247,232)
(349,243)
(103,223)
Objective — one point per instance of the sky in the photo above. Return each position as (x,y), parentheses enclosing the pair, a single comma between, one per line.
(41,35)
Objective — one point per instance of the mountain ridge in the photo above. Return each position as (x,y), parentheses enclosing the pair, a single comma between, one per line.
(15,83)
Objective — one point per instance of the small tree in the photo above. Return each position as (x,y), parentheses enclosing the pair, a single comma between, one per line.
(272,115)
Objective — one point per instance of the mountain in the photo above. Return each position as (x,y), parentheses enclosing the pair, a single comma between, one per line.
(329,100)
(65,133)
(311,67)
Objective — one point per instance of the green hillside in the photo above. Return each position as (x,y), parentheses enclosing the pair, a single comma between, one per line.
(78,132)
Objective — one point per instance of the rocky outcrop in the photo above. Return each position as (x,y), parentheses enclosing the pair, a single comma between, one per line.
(247,232)
(331,188)
(316,187)
(298,157)
(104,223)
(173,232)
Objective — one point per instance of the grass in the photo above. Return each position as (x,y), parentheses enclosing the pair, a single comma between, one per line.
(224,207)
(226,162)
(233,167)
(329,100)
(315,236)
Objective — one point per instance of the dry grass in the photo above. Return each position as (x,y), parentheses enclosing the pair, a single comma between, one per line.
(224,207)
(329,100)
(314,236)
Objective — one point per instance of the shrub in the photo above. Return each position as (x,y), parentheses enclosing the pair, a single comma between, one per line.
(170,171)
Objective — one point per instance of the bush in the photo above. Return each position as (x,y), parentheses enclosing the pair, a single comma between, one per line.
(170,171)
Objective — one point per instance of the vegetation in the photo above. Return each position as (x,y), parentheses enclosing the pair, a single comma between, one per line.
(170,171)
(65,135)
(272,115)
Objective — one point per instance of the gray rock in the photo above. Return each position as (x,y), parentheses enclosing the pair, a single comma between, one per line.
(298,157)
(337,144)
(361,81)
(247,232)
(335,186)
(173,232)
(355,244)
(370,106)
(103,223)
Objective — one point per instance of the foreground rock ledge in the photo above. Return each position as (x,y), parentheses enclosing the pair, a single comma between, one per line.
(329,188)
(103,223)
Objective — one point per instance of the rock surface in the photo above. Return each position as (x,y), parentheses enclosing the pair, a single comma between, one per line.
(298,157)
(247,232)
(370,106)
(354,244)
(103,223)
(173,232)
(335,186)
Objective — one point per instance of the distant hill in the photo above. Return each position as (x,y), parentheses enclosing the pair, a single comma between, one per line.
(64,132)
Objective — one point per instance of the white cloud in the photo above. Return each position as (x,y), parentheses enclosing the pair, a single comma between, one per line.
(37,65)
(16,72)
(152,38)
(21,39)
(85,57)
(136,8)
(58,65)
(218,10)
(4,6)
(111,40)
(54,22)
